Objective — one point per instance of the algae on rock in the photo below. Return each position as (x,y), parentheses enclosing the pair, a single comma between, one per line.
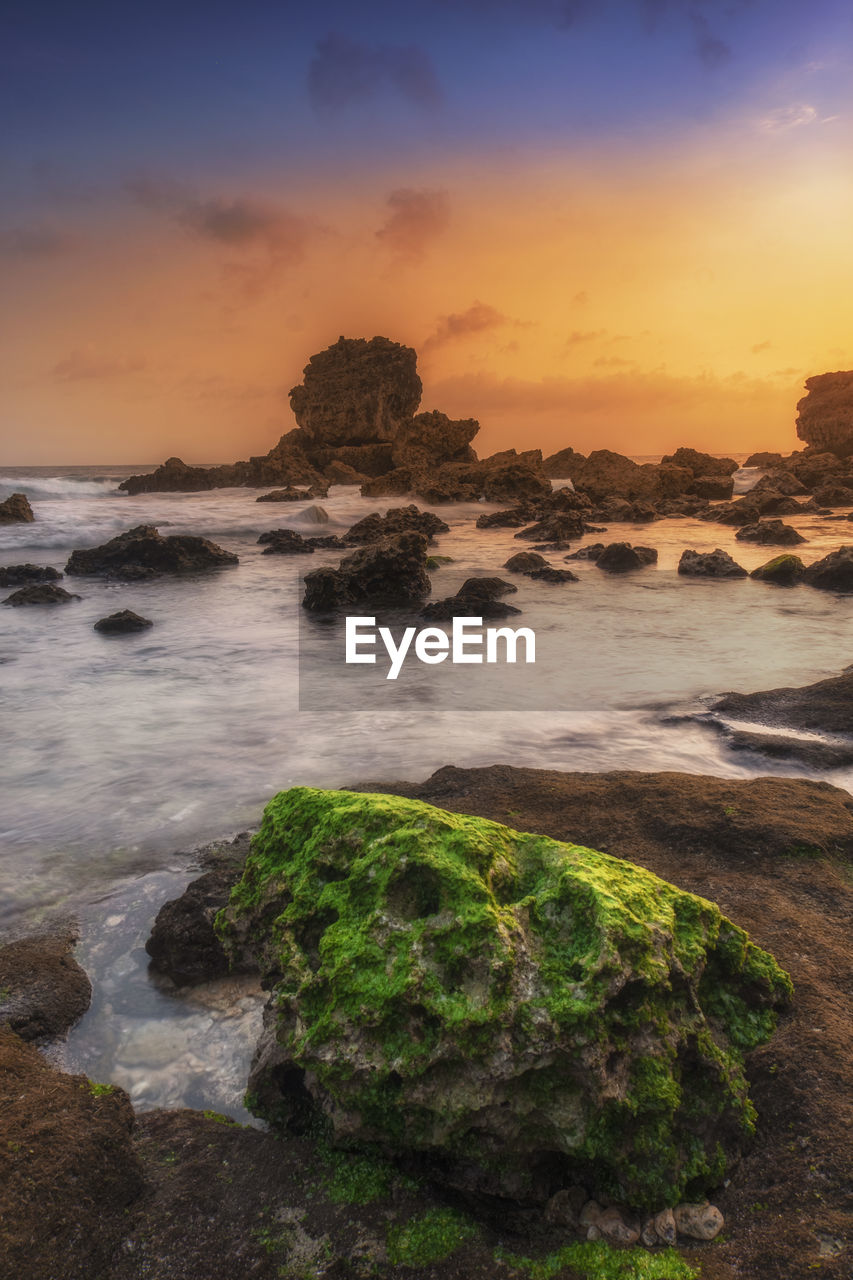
(518,1010)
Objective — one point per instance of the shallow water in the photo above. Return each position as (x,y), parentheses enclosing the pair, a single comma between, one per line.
(121,750)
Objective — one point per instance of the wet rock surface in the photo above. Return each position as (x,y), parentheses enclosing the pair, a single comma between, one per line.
(709,564)
(284,542)
(18,575)
(834,572)
(392,571)
(40,593)
(823,707)
(16,509)
(124,622)
(143,552)
(43,990)
(621,557)
(375,527)
(770,533)
(782,571)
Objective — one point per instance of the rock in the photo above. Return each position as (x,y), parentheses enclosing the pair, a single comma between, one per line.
(314,515)
(290,494)
(770,533)
(765,459)
(564,1207)
(486,588)
(337,472)
(665,1227)
(526,562)
(823,707)
(357,392)
(143,552)
(779,481)
(605,474)
(783,571)
(43,990)
(70,1172)
(183,944)
(374,528)
(463,606)
(16,510)
(562,465)
(16,575)
(621,557)
(589,1214)
(737,514)
(510,481)
(701,464)
(553,576)
(709,564)
(433,975)
(284,542)
(832,573)
(615,1228)
(713,487)
(825,420)
(833,494)
(393,484)
(815,469)
(40,593)
(699,1221)
(392,571)
(430,439)
(122,623)
(559,527)
(591,551)
(513,518)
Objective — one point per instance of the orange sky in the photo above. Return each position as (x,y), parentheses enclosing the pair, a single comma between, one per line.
(634,301)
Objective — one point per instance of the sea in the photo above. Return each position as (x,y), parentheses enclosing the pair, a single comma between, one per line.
(123,755)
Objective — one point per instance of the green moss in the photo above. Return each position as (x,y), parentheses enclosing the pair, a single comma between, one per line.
(597,1260)
(404,943)
(219,1118)
(100,1090)
(355,1177)
(432,1237)
(783,568)
(435,562)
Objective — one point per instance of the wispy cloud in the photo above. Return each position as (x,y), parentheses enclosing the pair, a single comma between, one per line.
(88,362)
(793,116)
(478,318)
(416,218)
(345,72)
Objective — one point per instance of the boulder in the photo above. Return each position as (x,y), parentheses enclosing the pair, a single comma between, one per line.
(713,488)
(563,464)
(284,542)
(16,510)
(835,493)
(823,707)
(18,575)
(142,552)
(512,518)
(476,597)
(443,986)
(375,527)
(430,439)
(337,472)
(560,527)
(832,573)
(40,593)
(779,481)
(393,484)
(606,474)
(741,512)
(591,551)
(621,557)
(290,494)
(177,476)
(526,562)
(698,1221)
(825,413)
(556,577)
(509,481)
(709,564)
(392,571)
(783,571)
(43,990)
(770,533)
(122,623)
(701,464)
(765,459)
(357,392)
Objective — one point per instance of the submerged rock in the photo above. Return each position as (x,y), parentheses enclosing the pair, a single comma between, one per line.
(505,1004)
(375,527)
(526,562)
(284,542)
(621,557)
(40,593)
(476,596)
(122,623)
(16,575)
(770,533)
(833,573)
(783,571)
(392,571)
(825,706)
(709,564)
(143,552)
(16,510)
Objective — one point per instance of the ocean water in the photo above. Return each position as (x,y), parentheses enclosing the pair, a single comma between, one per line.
(123,754)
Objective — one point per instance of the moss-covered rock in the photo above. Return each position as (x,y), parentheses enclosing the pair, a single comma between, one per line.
(785,570)
(521,1010)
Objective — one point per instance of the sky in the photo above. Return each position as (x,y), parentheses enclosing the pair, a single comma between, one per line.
(601,223)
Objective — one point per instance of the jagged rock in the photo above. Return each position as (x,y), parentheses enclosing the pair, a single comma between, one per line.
(621,557)
(737,514)
(177,476)
(357,392)
(142,552)
(40,593)
(784,571)
(834,494)
(770,533)
(462,606)
(779,481)
(665,1227)
(290,494)
(553,576)
(16,575)
(375,527)
(284,542)
(513,518)
(709,564)
(16,510)
(526,562)
(183,944)
(497,1002)
(825,418)
(701,464)
(699,1221)
(394,484)
(814,469)
(43,990)
(764,459)
(823,707)
(834,572)
(122,623)
(713,488)
(487,588)
(430,439)
(591,551)
(562,464)
(560,527)
(512,480)
(392,571)
(337,472)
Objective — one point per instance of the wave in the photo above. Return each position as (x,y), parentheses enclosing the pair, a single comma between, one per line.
(59,486)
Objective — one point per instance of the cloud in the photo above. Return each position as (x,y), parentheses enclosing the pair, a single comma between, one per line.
(791,117)
(759,347)
(709,48)
(479,318)
(579,336)
(87,362)
(416,218)
(34,242)
(344,73)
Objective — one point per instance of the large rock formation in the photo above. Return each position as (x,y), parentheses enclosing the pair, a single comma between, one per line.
(512,1007)
(16,510)
(143,552)
(825,418)
(357,392)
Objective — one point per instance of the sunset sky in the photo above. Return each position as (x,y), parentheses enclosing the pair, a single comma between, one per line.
(601,223)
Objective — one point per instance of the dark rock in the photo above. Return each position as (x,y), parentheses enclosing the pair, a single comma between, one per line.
(183,944)
(554,576)
(811,752)
(621,557)
(513,480)
(374,528)
(783,571)
(560,527)
(40,593)
(709,564)
(143,552)
(779,481)
(389,572)
(430,439)
(486,588)
(328,540)
(713,487)
(591,551)
(815,469)
(284,542)
(825,418)
(43,990)
(823,707)
(462,606)
(122,623)
(513,518)
(765,459)
(290,494)
(770,533)
(16,510)
(16,575)
(394,484)
(357,392)
(526,562)
(563,464)
(833,573)
(741,512)
(701,464)
(834,494)
(337,472)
